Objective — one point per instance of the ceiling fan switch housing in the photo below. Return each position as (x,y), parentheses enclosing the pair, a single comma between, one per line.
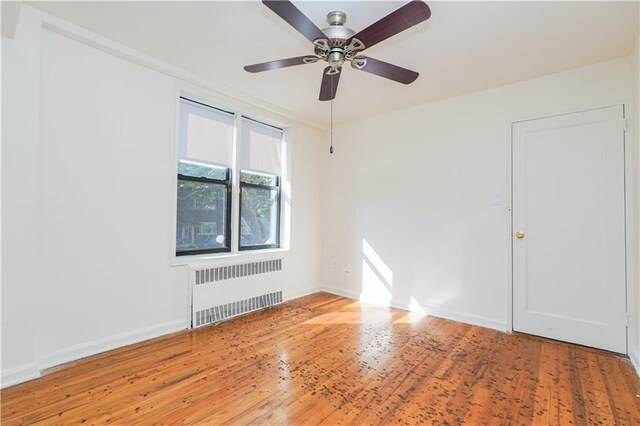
(336,59)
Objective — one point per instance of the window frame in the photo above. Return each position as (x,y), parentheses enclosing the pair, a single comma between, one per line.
(278,190)
(228,219)
(240,111)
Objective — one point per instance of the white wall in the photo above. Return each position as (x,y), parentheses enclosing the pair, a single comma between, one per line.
(87,197)
(20,94)
(417,201)
(104,172)
(633,219)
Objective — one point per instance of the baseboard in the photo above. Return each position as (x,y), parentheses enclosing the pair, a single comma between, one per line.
(340,292)
(102,345)
(462,317)
(431,311)
(14,376)
(635,361)
(31,371)
(301,293)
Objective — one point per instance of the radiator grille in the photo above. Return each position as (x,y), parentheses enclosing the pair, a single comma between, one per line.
(222,312)
(222,273)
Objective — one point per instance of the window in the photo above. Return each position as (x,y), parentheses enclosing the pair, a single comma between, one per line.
(206,195)
(259,211)
(204,179)
(260,171)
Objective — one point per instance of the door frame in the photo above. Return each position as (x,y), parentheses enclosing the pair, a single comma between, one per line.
(629,209)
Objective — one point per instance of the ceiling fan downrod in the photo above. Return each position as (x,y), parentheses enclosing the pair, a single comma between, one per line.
(334,50)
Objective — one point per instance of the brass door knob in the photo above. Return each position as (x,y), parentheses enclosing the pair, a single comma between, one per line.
(519,235)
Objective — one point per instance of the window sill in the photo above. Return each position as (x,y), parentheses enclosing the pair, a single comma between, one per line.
(199,260)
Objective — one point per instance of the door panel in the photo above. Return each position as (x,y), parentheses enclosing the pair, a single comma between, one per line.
(568,199)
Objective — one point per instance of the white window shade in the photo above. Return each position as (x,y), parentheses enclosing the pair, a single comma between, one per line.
(206,134)
(261,148)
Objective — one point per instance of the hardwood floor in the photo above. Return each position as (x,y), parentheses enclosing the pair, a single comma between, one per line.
(326,359)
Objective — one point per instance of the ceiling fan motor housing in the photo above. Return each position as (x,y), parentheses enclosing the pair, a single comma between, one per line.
(336,31)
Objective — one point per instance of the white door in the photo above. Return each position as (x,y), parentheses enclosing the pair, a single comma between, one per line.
(568,228)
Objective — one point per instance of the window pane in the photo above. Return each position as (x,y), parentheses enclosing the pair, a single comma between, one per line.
(201,215)
(258,179)
(259,218)
(192,168)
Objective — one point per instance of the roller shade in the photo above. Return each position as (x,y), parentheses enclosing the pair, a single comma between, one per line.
(261,148)
(206,134)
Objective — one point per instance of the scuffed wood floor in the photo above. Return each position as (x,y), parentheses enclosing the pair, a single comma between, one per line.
(326,359)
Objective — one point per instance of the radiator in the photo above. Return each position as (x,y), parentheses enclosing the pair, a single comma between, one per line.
(226,291)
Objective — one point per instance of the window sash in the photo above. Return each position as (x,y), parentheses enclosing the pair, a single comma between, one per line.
(225,181)
(265,186)
(227,215)
(278,209)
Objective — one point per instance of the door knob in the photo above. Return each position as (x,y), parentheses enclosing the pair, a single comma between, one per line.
(519,235)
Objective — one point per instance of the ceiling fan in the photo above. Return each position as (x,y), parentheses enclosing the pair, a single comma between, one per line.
(338,44)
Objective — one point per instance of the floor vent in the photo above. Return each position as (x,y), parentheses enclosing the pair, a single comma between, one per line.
(222,273)
(222,312)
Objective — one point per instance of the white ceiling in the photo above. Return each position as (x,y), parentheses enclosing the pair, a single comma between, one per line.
(464,47)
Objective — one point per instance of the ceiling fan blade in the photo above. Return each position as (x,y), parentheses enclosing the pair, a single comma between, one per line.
(292,15)
(329,85)
(397,21)
(281,63)
(386,70)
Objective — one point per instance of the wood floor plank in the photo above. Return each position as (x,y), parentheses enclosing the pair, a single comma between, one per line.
(330,360)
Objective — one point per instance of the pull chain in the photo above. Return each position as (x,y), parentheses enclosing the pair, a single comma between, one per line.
(333,95)
(331,148)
